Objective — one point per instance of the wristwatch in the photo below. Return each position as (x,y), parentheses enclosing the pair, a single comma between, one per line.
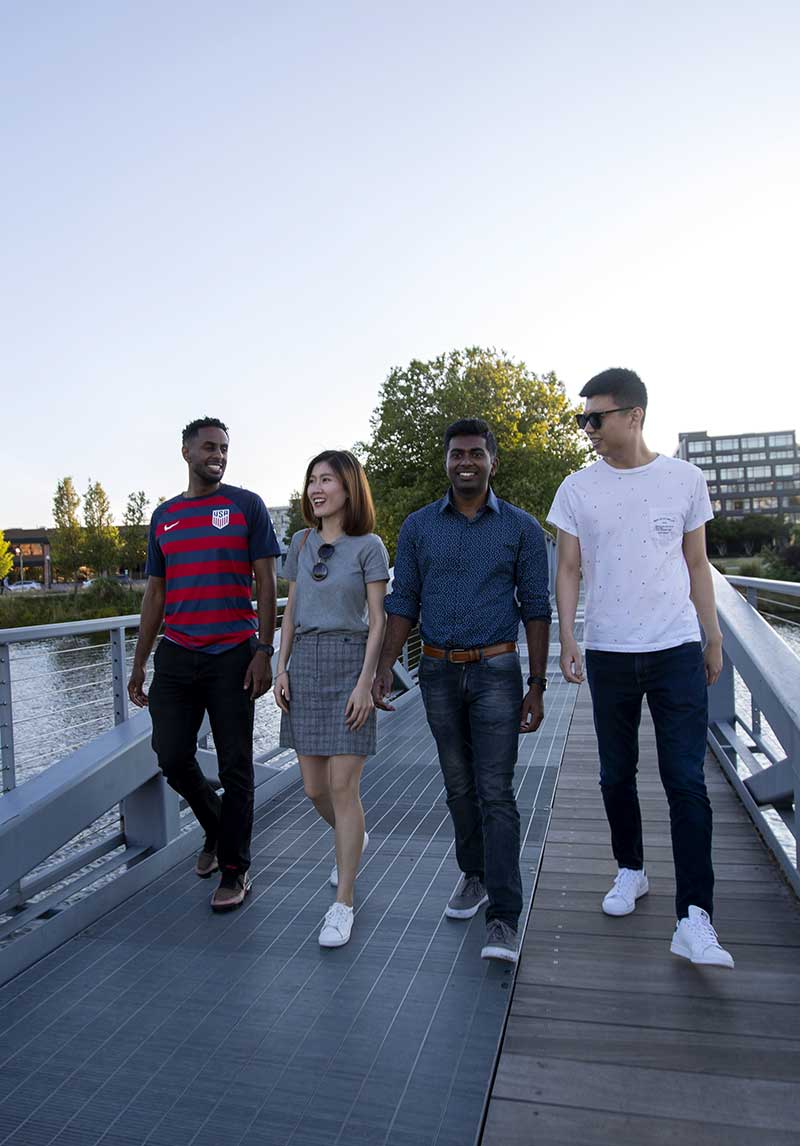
(262,648)
(540,680)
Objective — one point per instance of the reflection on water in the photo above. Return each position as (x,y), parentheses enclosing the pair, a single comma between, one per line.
(62,698)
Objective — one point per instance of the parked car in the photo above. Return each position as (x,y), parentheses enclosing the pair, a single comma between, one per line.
(120,578)
(24,586)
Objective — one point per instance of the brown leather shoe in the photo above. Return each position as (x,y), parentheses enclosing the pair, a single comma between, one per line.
(233,887)
(206,863)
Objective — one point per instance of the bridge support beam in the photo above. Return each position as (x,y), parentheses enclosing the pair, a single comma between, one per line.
(150,815)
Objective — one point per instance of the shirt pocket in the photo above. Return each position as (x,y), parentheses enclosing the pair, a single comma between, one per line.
(666,526)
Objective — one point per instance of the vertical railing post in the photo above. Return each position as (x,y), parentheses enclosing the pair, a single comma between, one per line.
(119,675)
(9,774)
(722,695)
(404,656)
(755,711)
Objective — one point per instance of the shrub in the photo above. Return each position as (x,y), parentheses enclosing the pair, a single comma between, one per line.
(750,569)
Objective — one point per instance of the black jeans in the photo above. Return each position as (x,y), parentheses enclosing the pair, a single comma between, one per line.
(186,685)
(674,682)
(473,711)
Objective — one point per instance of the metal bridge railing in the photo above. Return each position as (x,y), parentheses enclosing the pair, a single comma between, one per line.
(754,712)
(75,838)
(63,691)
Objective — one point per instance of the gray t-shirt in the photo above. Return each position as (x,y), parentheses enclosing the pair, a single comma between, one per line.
(339,603)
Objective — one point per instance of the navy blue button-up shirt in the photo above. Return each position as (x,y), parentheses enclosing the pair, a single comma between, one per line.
(470,581)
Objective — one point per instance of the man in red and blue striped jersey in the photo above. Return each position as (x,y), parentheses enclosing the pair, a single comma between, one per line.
(205,546)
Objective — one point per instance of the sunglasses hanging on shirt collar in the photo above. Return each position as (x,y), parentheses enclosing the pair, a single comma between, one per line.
(320,570)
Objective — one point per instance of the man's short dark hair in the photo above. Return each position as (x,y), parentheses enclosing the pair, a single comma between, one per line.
(471,427)
(193,429)
(624,386)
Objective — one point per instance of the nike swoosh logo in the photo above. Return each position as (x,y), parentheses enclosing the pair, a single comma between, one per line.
(167,528)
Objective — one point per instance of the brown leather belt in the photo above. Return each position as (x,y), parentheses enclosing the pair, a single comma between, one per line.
(465,656)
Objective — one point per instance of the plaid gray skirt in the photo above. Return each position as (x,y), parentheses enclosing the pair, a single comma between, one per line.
(323,671)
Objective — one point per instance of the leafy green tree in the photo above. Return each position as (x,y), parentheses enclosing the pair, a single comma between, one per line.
(295,519)
(133,534)
(532,418)
(759,530)
(719,535)
(67,541)
(102,536)
(6,557)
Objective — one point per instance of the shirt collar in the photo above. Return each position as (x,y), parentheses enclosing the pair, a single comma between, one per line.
(447,502)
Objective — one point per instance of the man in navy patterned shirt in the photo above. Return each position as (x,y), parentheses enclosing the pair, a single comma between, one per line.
(469,567)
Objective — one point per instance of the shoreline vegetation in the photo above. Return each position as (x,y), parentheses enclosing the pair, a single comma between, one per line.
(103,598)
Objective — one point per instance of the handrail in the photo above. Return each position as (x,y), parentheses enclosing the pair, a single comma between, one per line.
(764,584)
(769,669)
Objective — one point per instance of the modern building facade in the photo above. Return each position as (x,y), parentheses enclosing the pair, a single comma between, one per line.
(748,473)
(30,549)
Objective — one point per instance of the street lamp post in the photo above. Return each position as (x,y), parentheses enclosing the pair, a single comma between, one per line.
(18,552)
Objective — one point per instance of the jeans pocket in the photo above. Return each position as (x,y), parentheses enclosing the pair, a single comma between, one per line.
(503,663)
(428,665)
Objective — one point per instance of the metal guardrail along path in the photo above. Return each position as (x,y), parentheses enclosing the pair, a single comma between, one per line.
(611,1039)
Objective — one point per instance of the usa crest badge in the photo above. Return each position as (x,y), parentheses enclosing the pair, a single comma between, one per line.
(220,518)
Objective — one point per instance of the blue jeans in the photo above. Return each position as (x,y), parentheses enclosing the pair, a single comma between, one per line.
(674,682)
(473,711)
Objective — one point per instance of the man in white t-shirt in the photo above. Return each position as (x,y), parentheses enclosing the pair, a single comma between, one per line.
(634,524)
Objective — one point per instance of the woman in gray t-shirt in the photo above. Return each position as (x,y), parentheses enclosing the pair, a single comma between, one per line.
(332,630)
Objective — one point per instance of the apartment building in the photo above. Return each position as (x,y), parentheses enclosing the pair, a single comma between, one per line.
(748,473)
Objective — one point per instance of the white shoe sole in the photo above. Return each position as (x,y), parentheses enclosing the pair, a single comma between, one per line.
(333,942)
(503,953)
(465,912)
(628,910)
(684,953)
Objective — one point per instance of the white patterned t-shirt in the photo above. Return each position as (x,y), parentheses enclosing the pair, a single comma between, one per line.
(630,524)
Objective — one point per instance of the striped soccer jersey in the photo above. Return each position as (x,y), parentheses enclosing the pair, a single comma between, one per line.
(204,547)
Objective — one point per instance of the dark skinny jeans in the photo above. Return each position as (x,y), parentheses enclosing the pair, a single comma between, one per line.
(185,686)
(674,682)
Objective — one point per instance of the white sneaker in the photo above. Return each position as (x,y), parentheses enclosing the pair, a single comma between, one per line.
(337,926)
(628,886)
(696,939)
(333,878)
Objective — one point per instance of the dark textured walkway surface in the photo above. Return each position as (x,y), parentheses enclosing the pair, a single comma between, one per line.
(169,1026)
(613,1040)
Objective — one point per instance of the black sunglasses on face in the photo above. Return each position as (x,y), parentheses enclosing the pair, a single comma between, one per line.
(320,570)
(595,419)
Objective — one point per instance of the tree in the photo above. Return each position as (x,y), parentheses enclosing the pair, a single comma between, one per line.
(6,557)
(538,440)
(758,530)
(102,536)
(67,542)
(133,534)
(295,520)
(719,535)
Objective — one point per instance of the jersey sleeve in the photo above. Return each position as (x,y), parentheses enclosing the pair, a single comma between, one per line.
(261,537)
(375,560)
(155,565)
(562,514)
(699,511)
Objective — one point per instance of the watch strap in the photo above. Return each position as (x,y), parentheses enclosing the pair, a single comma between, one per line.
(540,680)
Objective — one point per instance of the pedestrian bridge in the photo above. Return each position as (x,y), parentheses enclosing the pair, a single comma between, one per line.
(130,1014)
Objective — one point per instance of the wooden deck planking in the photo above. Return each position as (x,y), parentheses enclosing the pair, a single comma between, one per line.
(610,1038)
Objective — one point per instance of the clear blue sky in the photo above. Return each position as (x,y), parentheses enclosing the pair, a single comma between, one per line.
(255,210)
